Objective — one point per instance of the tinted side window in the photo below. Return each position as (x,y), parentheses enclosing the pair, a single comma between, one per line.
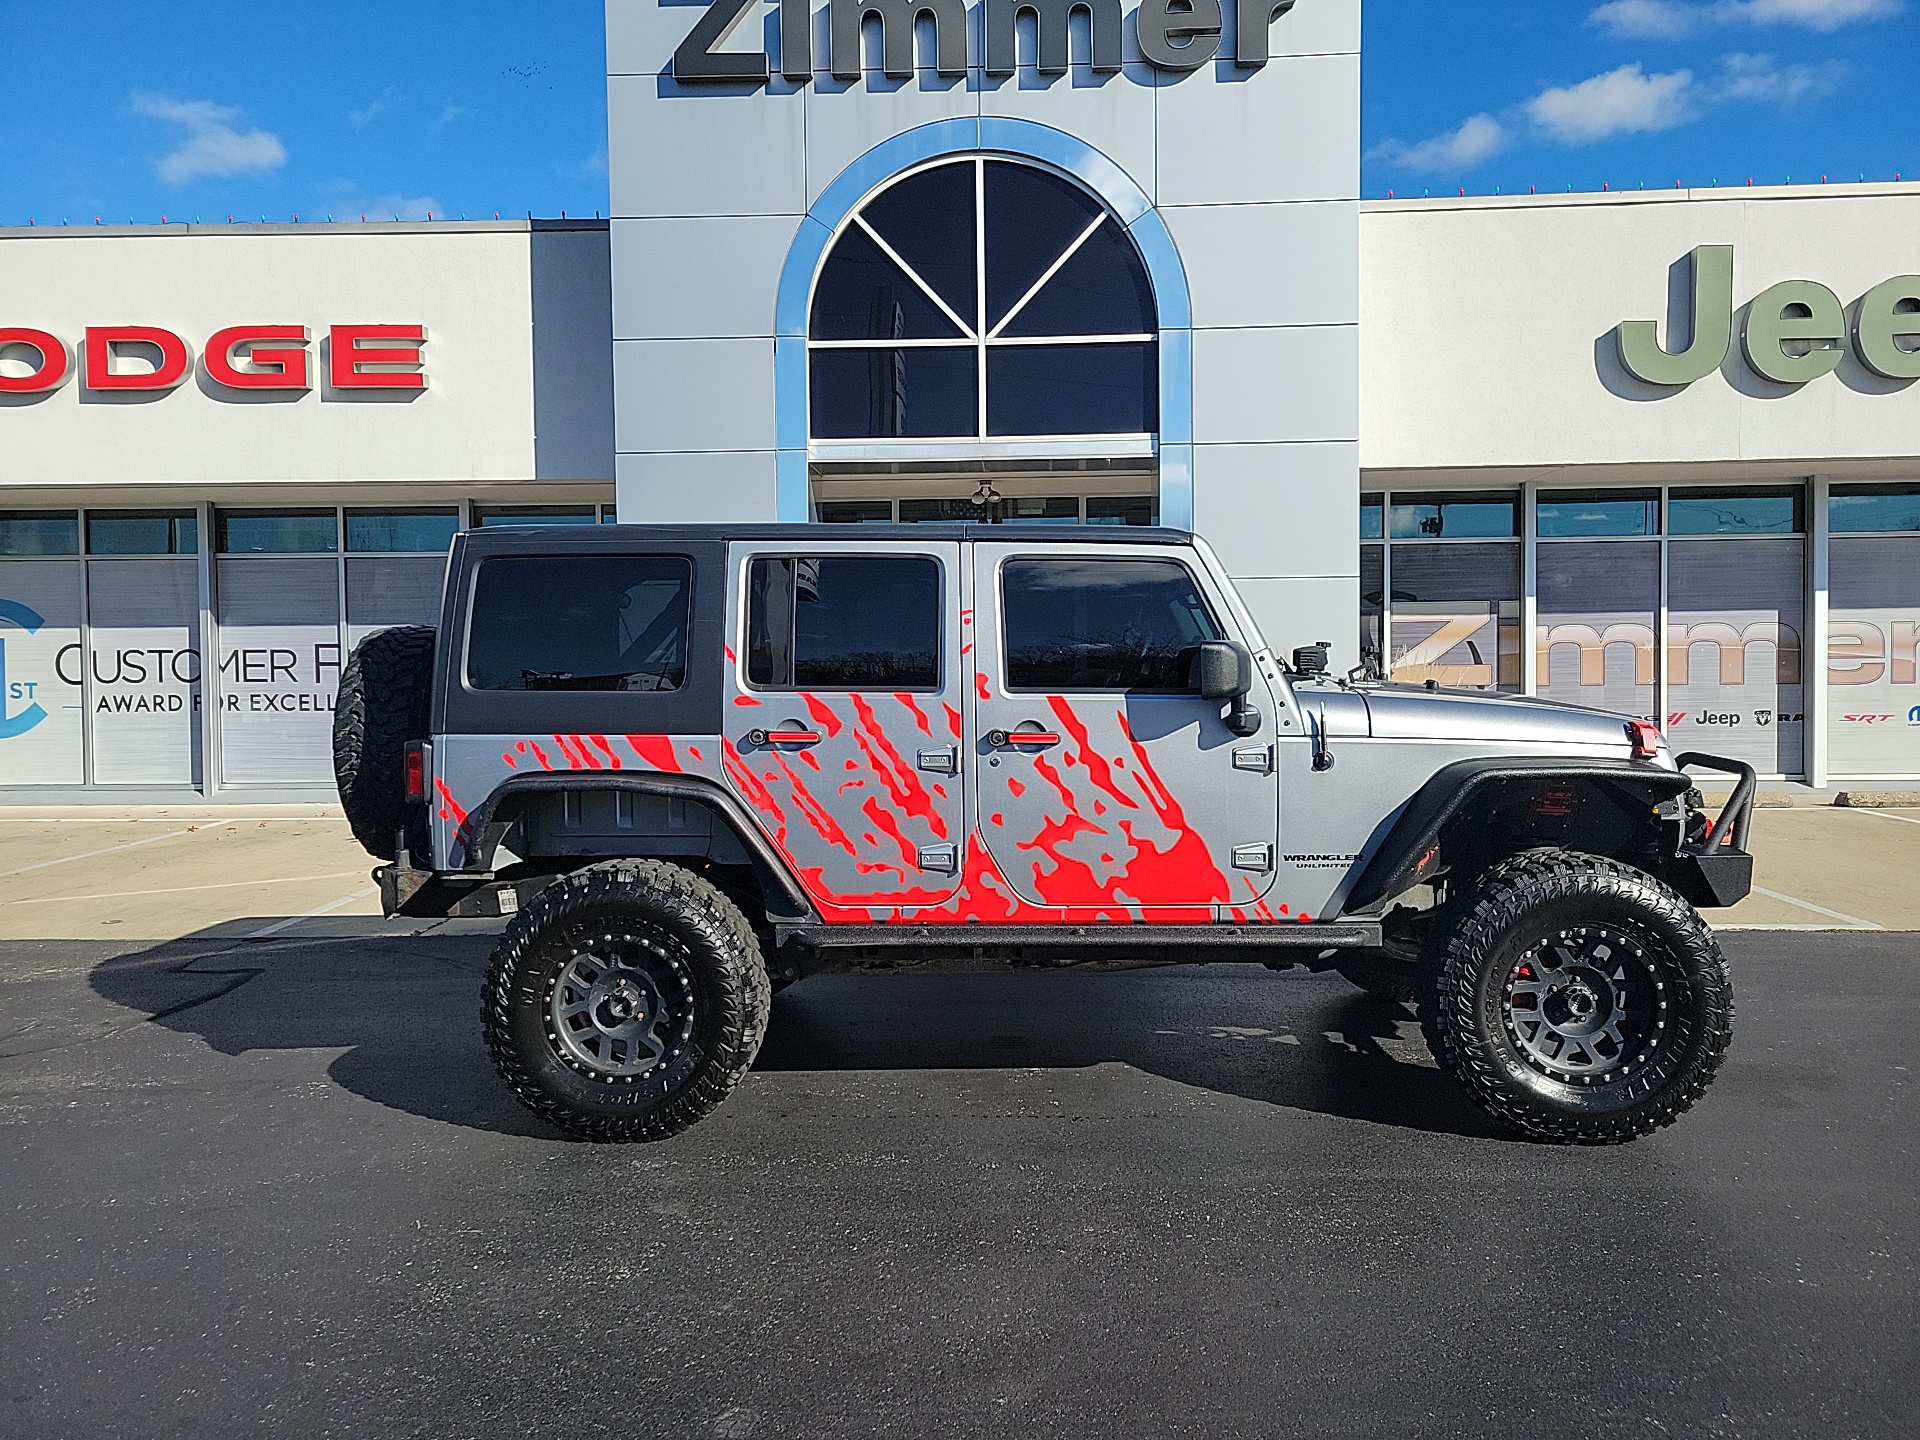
(844,622)
(1102,625)
(580,622)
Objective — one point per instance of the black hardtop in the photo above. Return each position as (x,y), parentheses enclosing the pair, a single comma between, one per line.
(601,539)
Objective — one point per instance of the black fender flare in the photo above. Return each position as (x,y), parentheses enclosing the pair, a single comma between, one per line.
(1411,851)
(484,829)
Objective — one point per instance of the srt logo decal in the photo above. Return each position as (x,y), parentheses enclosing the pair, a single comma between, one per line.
(1867,719)
(12,724)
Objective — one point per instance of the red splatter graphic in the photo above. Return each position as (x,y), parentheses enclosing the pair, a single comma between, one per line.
(817,815)
(613,760)
(1097,768)
(980,685)
(953,719)
(876,812)
(449,807)
(966,617)
(851,785)
(919,715)
(656,751)
(823,715)
(903,785)
(506,759)
(1015,788)
(694,751)
(806,757)
(574,747)
(746,701)
(731,657)
(756,794)
(538,754)
(997,819)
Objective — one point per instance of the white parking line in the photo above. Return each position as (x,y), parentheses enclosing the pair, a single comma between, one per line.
(110,850)
(184,889)
(1852,920)
(288,924)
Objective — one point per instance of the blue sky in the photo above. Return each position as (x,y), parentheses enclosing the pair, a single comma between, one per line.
(205,108)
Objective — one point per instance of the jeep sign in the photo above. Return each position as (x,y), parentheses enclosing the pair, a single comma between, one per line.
(1794,332)
(1175,35)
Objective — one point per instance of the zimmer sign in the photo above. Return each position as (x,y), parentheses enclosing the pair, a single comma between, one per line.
(1175,35)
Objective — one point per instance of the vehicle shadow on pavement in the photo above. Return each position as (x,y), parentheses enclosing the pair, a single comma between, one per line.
(1306,1042)
(404,1012)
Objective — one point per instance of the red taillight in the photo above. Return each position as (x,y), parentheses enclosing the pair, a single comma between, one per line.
(416,771)
(1645,736)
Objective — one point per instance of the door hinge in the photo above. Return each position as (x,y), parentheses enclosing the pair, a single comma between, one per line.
(1258,761)
(1253,857)
(942,858)
(945,761)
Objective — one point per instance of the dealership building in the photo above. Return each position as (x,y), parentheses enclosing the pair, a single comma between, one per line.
(1009,261)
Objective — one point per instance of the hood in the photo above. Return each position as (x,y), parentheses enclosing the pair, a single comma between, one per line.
(1413,712)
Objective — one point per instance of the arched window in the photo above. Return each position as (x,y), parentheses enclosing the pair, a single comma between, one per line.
(982,299)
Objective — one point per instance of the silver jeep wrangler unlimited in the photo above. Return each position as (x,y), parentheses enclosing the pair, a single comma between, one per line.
(698,764)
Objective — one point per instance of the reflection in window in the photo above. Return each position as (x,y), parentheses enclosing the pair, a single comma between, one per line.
(914,270)
(143,532)
(580,622)
(1870,509)
(487,516)
(1489,516)
(39,532)
(843,622)
(1456,615)
(1772,510)
(276,532)
(855,512)
(1123,510)
(1116,625)
(1372,516)
(419,531)
(1594,513)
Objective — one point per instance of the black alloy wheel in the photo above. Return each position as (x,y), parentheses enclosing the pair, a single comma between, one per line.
(1578,1000)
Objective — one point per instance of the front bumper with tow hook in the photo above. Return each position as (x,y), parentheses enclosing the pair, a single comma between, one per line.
(1717,872)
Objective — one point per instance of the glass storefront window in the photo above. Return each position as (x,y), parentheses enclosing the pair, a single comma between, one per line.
(1599,603)
(1373,596)
(417,531)
(856,512)
(1494,515)
(1456,615)
(1734,625)
(1567,514)
(1873,656)
(39,532)
(143,532)
(487,515)
(1871,509)
(1766,510)
(1123,510)
(1372,517)
(276,532)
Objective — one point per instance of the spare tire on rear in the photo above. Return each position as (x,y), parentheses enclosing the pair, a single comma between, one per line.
(385,699)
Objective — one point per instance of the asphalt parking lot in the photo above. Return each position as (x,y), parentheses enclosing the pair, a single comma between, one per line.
(270,1186)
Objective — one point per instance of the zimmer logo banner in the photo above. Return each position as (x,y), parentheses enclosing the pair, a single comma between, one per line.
(1174,35)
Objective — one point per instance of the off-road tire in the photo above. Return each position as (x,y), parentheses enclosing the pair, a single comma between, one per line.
(707,957)
(384,701)
(1388,987)
(1551,904)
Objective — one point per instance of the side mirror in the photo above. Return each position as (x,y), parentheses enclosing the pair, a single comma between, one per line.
(1222,670)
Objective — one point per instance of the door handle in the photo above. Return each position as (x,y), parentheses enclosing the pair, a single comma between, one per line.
(1004,739)
(788,736)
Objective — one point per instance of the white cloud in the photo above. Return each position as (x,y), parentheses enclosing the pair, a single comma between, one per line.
(212,147)
(1760,77)
(418,207)
(1620,102)
(1479,138)
(360,119)
(1672,19)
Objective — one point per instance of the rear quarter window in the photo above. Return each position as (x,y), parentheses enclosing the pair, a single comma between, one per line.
(580,623)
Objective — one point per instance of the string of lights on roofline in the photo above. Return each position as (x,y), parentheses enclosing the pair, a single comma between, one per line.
(368,218)
(1606,187)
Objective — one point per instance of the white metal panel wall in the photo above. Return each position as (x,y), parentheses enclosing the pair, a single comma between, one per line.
(144,670)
